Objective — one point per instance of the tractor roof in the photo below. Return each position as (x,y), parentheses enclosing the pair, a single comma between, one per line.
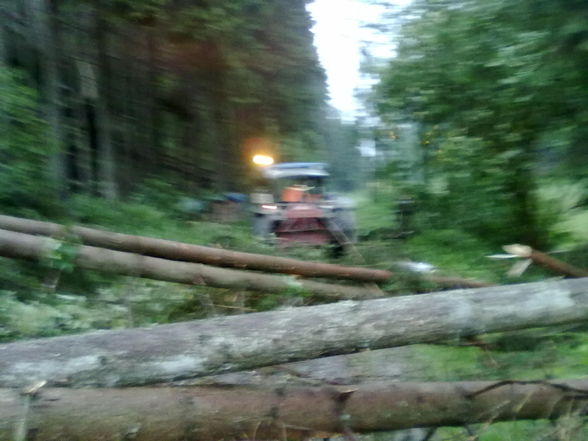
(296,169)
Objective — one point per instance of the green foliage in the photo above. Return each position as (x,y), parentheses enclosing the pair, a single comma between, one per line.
(124,217)
(456,252)
(562,209)
(60,255)
(539,354)
(49,317)
(25,149)
(376,216)
(564,429)
(497,100)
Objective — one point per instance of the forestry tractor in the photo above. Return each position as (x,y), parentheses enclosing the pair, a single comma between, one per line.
(292,205)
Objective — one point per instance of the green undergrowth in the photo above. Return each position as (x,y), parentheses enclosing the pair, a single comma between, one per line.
(531,355)
(537,354)
(569,428)
(53,298)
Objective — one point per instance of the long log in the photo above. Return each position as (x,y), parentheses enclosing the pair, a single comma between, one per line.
(168,249)
(26,246)
(209,414)
(545,260)
(382,365)
(235,343)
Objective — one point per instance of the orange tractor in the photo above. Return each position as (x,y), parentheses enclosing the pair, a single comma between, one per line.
(294,206)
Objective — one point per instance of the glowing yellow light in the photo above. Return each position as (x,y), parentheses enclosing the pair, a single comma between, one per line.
(263,160)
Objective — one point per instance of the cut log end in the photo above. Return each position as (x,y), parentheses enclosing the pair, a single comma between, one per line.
(518,250)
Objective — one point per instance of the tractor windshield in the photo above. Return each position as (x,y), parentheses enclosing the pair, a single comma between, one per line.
(299,188)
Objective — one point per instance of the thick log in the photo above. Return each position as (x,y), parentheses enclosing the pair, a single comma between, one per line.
(209,414)
(545,260)
(377,366)
(204,347)
(26,246)
(168,249)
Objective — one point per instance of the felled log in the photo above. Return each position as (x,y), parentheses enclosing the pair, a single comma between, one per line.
(210,414)
(235,343)
(26,246)
(545,260)
(168,249)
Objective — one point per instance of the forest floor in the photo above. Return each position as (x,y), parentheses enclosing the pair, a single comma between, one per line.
(43,300)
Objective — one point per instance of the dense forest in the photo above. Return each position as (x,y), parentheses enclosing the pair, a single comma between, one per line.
(497,92)
(118,95)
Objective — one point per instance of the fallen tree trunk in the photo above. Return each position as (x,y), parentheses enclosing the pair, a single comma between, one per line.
(25,246)
(209,414)
(545,260)
(377,366)
(168,249)
(204,347)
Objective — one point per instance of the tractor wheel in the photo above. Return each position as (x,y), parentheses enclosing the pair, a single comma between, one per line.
(345,224)
(262,226)
(342,226)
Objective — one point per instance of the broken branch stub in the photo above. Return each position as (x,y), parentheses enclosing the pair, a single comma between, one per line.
(545,260)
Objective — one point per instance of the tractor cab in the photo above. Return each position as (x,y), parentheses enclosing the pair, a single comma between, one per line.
(294,205)
(296,182)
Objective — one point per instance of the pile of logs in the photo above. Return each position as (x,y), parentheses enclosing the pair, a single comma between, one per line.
(115,384)
(194,264)
(163,382)
(171,261)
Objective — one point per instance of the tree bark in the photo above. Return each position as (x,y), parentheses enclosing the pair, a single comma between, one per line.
(192,349)
(50,49)
(107,170)
(3,47)
(24,246)
(545,260)
(174,414)
(377,366)
(213,256)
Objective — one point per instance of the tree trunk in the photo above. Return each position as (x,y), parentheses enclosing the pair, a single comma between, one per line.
(153,74)
(521,184)
(212,256)
(3,48)
(24,246)
(210,414)
(235,343)
(377,366)
(107,184)
(84,114)
(49,45)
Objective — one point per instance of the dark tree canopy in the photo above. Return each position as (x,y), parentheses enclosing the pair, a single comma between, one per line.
(177,91)
(498,90)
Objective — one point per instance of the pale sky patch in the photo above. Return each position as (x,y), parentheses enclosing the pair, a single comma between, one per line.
(339,35)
